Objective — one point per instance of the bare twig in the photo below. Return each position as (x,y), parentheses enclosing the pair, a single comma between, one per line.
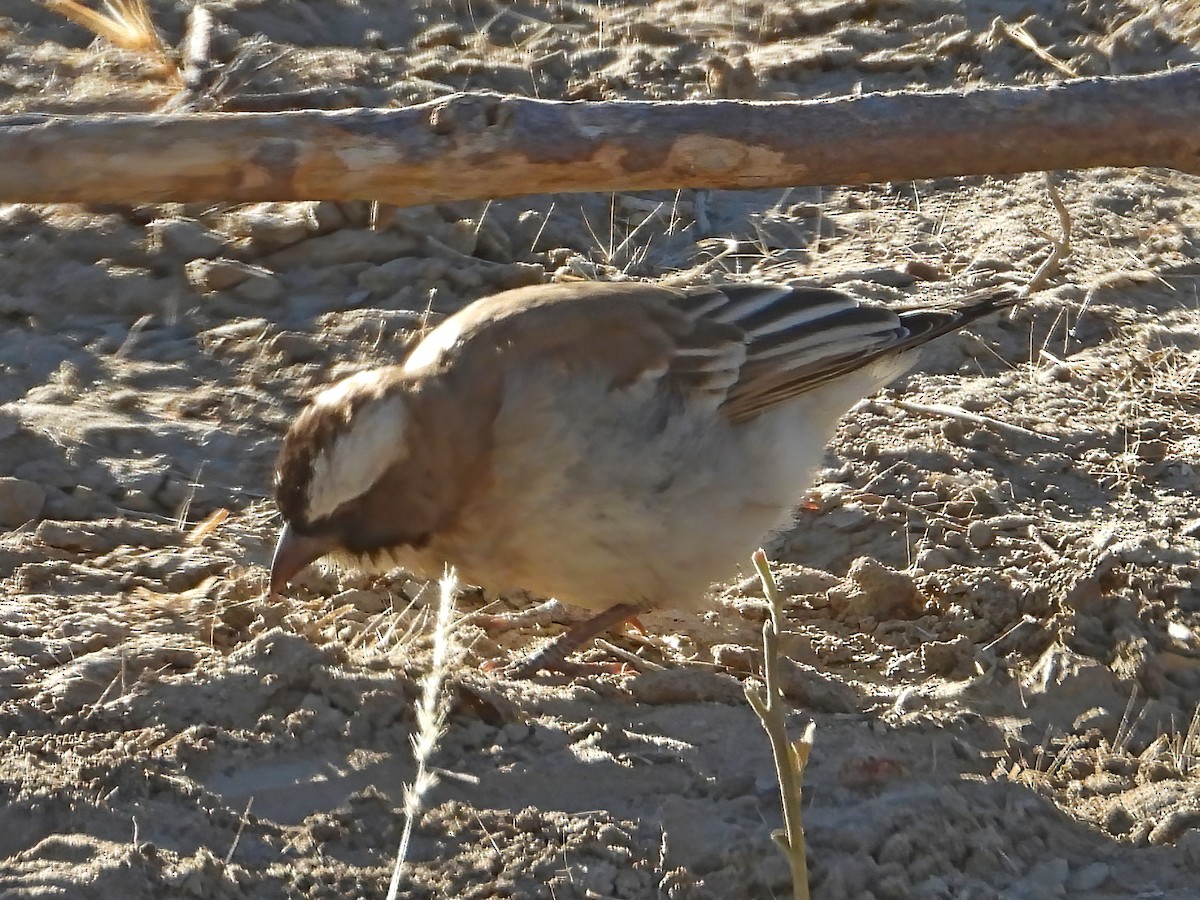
(1026,619)
(471,146)
(207,527)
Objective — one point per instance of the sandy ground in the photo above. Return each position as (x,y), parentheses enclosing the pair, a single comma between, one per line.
(994,620)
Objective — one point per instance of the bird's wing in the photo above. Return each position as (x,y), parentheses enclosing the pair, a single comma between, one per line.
(741,348)
(799,338)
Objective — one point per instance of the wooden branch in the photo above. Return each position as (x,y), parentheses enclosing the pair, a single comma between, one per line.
(484,145)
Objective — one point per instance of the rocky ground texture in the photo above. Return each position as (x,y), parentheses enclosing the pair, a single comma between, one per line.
(994,613)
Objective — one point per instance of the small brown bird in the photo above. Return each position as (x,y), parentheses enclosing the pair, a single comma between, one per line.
(616,446)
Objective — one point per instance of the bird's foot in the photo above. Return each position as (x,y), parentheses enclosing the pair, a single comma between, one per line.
(553,656)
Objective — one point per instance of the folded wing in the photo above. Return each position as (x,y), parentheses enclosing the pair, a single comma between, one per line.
(793,340)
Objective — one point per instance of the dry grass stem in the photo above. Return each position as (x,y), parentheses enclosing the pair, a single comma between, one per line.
(237,837)
(790,758)
(207,527)
(217,88)
(963,415)
(638,662)
(123,23)
(431,718)
(1185,747)
(1130,720)
(1022,36)
(1061,248)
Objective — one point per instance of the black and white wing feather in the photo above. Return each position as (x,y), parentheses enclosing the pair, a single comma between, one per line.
(761,345)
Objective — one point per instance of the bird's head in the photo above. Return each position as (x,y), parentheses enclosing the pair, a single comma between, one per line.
(344,471)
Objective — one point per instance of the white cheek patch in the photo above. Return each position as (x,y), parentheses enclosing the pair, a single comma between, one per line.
(373,442)
(434,344)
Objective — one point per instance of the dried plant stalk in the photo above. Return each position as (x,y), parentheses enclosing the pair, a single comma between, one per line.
(790,758)
(123,23)
(1061,248)
(431,720)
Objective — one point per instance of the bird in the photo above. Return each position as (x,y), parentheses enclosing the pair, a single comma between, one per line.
(617,446)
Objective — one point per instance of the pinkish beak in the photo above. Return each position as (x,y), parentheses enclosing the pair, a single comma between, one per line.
(292,553)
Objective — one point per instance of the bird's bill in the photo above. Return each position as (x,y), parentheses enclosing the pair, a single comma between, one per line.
(292,553)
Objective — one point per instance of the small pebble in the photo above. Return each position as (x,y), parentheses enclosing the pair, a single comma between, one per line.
(261,287)
(47,472)
(394,274)
(924,271)
(271,226)
(186,238)
(81,503)
(1052,463)
(296,347)
(873,590)
(370,602)
(932,560)
(980,534)
(100,537)
(515,275)
(443,34)
(942,657)
(846,518)
(21,501)
(1152,451)
(330,216)
(1189,845)
(219,274)
(138,501)
(346,246)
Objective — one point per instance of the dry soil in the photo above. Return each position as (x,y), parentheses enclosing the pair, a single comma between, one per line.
(994,615)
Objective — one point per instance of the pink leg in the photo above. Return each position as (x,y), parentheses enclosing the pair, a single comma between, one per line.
(553,657)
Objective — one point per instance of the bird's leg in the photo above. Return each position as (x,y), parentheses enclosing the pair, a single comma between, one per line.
(537,616)
(553,656)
